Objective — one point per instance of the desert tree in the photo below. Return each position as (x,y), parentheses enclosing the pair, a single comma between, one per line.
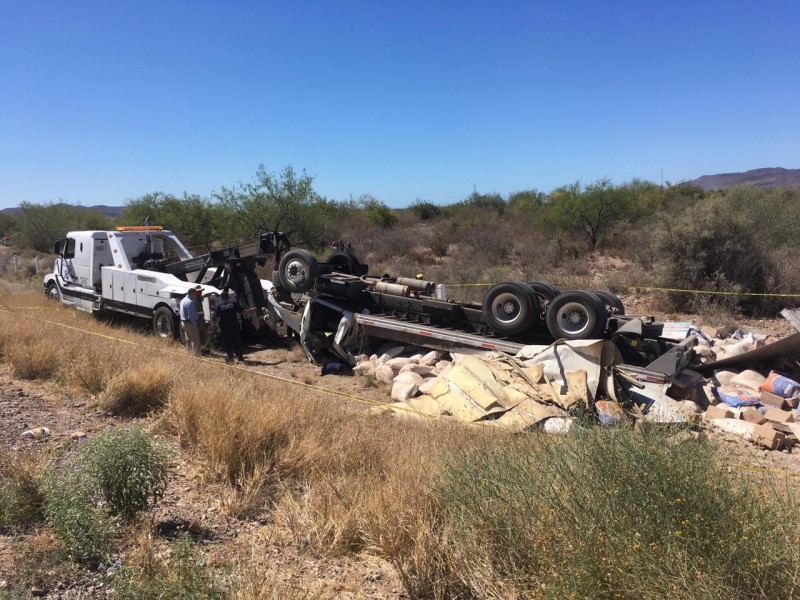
(285,201)
(592,209)
(194,219)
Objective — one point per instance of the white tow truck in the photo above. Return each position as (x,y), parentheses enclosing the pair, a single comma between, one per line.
(145,271)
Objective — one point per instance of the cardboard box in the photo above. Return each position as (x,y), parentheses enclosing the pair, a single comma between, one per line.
(789,436)
(778,415)
(766,436)
(770,399)
(751,415)
(719,411)
(711,332)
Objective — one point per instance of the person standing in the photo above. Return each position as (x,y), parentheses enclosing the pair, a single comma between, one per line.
(202,326)
(189,319)
(227,312)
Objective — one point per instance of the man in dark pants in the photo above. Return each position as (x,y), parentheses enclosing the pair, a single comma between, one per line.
(227,312)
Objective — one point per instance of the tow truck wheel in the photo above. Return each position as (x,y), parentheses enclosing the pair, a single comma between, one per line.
(297,271)
(576,316)
(53,293)
(610,300)
(510,308)
(164,325)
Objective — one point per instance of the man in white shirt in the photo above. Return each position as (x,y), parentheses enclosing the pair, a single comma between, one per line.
(189,319)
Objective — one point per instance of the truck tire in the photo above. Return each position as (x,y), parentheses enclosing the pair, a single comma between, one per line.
(53,293)
(165,325)
(297,271)
(342,262)
(510,308)
(544,289)
(610,300)
(576,316)
(544,293)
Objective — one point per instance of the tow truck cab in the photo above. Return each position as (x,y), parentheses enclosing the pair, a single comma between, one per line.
(121,270)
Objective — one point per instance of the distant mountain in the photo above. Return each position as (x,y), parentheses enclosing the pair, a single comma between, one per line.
(759,178)
(111,212)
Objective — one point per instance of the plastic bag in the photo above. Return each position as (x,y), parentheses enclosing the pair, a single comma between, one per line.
(780,386)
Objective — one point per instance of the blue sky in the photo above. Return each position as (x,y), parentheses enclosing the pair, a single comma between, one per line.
(102,102)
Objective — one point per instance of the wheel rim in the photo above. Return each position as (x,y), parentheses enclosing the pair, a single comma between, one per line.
(163,326)
(52,293)
(506,308)
(296,272)
(573,318)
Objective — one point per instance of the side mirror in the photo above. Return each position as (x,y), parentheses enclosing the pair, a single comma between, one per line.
(69,248)
(57,247)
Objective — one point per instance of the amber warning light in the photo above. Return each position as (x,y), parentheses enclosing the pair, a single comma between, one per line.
(141,228)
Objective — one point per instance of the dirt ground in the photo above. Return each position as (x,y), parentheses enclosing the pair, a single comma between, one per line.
(194,507)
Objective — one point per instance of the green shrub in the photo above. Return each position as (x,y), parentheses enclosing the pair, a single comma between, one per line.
(130,467)
(73,508)
(183,578)
(611,513)
(425,211)
(377,212)
(21,501)
(712,249)
(121,472)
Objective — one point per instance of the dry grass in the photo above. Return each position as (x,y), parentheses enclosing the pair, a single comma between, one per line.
(136,392)
(30,360)
(90,367)
(233,424)
(253,580)
(44,340)
(250,497)
(30,355)
(20,492)
(341,480)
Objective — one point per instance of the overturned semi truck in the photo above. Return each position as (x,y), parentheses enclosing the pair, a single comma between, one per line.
(335,307)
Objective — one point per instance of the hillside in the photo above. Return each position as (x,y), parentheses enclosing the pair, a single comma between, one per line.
(775,177)
(112,212)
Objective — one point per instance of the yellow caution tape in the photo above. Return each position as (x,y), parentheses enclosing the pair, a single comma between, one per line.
(183,354)
(659,289)
(656,289)
(766,470)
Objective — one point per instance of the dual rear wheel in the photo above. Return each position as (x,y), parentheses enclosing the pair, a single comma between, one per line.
(510,308)
(514,308)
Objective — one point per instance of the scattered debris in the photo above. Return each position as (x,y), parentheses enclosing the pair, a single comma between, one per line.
(739,385)
(36,432)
